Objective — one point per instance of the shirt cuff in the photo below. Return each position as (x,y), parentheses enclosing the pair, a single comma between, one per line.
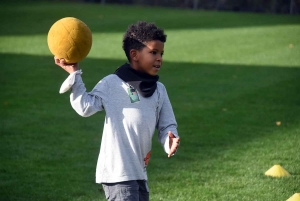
(68,83)
(167,146)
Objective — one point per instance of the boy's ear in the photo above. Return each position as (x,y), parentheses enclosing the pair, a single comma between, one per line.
(134,55)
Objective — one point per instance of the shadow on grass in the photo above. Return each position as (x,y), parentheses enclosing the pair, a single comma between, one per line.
(21,18)
(45,146)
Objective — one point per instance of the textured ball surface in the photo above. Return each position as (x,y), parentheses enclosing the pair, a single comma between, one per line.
(70,39)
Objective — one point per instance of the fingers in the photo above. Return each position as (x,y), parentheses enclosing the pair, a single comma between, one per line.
(57,61)
(173,143)
(173,149)
(60,62)
(70,68)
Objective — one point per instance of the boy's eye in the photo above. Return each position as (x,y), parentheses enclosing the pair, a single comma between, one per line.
(154,53)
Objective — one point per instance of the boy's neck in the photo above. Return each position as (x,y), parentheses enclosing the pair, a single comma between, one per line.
(134,66)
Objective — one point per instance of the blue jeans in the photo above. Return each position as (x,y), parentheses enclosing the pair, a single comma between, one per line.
(136,190)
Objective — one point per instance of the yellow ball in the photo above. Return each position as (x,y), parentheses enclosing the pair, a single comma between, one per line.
(70,39)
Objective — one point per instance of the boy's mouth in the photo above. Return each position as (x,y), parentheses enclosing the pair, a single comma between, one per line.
(157,66)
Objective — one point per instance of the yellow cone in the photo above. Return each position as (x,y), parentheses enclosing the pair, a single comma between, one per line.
(277,171)
(295,197)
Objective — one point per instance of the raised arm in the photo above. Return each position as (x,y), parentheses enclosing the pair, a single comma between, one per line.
(87,103)
(84,103)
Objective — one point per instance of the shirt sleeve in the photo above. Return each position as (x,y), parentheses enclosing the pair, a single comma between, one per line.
(166,122)
(87,103)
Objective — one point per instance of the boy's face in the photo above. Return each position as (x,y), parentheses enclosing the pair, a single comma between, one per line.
(149,59)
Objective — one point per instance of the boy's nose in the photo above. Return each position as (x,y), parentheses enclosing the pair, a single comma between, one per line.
(159,58)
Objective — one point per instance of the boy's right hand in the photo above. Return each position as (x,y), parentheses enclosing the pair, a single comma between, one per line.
(70,68)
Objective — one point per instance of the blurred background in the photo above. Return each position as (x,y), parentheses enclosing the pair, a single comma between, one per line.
(232,78)
(270,6)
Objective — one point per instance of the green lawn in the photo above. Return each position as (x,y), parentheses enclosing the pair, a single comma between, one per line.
(230,78)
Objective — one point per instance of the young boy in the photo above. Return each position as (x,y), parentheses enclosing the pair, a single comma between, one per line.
(135,104)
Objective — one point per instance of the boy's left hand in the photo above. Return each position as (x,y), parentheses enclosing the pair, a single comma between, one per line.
(173,143)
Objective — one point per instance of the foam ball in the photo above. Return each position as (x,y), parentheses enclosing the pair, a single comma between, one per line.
(70,39)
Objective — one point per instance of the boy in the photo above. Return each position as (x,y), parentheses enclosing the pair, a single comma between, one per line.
(135,104)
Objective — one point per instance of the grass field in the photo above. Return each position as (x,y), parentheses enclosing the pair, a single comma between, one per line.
(230,78)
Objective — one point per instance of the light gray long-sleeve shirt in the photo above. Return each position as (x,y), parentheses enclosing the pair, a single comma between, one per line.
(128,127)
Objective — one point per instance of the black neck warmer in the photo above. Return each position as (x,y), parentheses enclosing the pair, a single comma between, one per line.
(143,82)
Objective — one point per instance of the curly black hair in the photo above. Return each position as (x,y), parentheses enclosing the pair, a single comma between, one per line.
(139,33)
